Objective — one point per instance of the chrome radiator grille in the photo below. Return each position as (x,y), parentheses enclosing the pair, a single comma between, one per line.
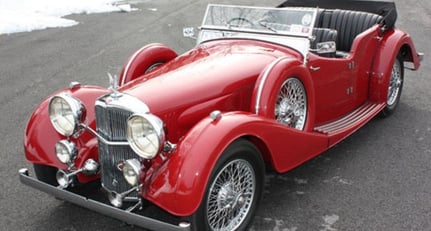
(111,123)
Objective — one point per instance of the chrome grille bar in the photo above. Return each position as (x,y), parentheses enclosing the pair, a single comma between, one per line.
(112,122)
(110,158)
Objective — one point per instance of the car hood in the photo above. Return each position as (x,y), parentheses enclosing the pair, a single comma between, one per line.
(213,76)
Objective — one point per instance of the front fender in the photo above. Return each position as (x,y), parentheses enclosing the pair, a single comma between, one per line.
(179,184)
(393,43)
(40,136)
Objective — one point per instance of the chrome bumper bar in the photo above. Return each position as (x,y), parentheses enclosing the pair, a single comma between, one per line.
(123,215)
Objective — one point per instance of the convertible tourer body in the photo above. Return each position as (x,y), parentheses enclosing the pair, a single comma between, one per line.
(191,134)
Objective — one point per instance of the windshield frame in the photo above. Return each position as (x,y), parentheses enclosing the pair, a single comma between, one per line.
(295,32)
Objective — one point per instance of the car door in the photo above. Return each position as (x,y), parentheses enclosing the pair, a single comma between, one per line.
(342,82)
(333,81)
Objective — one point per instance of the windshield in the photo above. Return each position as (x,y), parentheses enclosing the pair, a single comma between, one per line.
(288,26)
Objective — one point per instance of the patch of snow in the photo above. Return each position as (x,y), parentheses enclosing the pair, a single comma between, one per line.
(329,221)
(28,15)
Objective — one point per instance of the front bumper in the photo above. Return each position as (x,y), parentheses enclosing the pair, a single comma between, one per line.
(123,215)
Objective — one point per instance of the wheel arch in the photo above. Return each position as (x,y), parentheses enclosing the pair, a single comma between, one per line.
(144,59)
(393,44)
(261,145)
(264,96)
(408,53)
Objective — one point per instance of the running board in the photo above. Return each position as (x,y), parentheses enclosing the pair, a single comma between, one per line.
(353,120)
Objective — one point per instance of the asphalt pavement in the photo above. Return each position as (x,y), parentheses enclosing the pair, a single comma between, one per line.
(377,179)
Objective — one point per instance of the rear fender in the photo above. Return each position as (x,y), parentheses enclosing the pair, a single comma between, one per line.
(393,43)
(145,60)
(269,82)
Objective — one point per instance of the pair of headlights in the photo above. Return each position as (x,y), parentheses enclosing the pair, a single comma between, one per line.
(145,132)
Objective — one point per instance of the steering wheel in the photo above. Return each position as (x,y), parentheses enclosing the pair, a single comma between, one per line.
(240,22)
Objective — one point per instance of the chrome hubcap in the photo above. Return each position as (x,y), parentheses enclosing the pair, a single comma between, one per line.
(291,105)
(231,196)
(395,83)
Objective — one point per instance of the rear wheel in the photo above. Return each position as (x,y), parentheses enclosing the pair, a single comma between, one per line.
(395,87)
(291,104)
(234,190)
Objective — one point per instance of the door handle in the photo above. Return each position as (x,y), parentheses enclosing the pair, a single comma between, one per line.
(314,68)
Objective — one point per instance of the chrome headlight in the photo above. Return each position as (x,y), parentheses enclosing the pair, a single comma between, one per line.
(66,113)
(145,135)
(131,170)
(66,151)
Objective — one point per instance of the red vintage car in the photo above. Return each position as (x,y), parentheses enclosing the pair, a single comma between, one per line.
(191,134)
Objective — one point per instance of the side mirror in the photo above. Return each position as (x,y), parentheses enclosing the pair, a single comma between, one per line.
(326,47)
(189,32)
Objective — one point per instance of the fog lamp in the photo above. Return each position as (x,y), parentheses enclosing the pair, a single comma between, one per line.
(66,151)
(131,170)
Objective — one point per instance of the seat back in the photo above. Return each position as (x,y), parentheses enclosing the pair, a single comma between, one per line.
(348,24)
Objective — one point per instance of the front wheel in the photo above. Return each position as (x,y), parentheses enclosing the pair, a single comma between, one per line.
(234,190)
(395,87)
(145,60)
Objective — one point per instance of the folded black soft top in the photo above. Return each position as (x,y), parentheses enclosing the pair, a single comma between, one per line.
(385,8)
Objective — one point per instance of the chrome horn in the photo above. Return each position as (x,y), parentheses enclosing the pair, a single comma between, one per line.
(91,167)
(116,199)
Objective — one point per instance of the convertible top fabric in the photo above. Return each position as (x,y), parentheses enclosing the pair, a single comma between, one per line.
(385,8)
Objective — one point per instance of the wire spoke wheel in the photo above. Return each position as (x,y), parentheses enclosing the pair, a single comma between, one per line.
(231,195)
(395,87)
(233,191)
(395,84)
(291,104)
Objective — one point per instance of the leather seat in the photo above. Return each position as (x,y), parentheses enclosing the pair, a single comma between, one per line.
(348,24)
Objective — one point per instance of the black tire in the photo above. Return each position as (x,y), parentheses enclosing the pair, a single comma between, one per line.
(234,190)
(45,174)
(395,87)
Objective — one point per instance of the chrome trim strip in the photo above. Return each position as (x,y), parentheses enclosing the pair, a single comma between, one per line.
(123,101)
(123,215)
(103,140)
(262,82)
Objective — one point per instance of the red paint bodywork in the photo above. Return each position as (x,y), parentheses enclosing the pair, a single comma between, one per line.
(225,75)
